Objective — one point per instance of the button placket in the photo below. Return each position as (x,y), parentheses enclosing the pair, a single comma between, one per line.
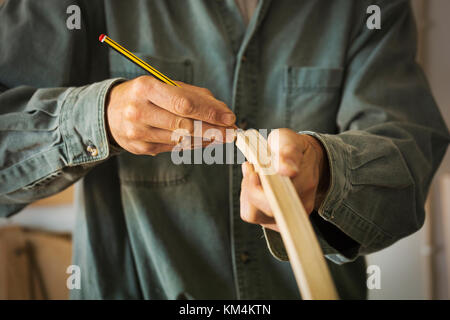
(244,236)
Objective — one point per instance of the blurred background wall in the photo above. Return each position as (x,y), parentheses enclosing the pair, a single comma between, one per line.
(418,267)
(37,252)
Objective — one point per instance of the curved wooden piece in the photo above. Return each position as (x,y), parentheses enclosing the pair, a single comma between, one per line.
(305,255)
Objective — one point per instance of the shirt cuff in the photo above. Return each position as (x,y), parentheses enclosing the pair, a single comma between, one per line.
(333,229)
(339,158)
(82,123)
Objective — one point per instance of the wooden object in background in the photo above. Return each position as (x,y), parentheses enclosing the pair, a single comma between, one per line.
(15,281)
(305,255)
(33,264)
(63,198)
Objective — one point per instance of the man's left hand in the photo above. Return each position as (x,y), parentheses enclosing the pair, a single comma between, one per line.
(303,159)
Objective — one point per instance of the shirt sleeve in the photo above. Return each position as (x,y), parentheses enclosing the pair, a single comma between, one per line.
(49,139)
(391,141)
(52,99)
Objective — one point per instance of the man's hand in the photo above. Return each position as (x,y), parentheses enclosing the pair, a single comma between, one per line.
(143,113)
(303,159)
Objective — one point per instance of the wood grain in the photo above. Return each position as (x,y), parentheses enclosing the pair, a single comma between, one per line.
(305,255)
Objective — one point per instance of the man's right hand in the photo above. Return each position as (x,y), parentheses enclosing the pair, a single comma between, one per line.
(143,113)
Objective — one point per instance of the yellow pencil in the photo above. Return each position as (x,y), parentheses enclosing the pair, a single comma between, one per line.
(144,65)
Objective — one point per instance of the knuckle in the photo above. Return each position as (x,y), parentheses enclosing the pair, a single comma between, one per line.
(177,123)
(211,115)
(288,150)
(187,124)
(182,105)
(249,216)
(309,207)
(151,149)
(245,214)
(131,133)
(139,84)
(135,150)
(131,112)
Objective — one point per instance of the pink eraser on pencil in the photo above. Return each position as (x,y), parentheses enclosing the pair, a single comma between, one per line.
(102,37)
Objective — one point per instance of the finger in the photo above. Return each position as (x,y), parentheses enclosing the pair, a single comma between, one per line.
(213,133)
(149,134)
(186,102)
(254,192)
(190,143)
(249,212)
(154,116)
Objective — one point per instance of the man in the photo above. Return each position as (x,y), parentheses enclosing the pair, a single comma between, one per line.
(363,137)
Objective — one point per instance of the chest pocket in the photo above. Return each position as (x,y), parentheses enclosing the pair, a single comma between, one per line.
(147,170)
(312,97)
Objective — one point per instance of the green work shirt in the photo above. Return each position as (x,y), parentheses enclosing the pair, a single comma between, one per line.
(148,228)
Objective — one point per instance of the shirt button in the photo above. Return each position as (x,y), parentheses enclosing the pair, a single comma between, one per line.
(245,257)
(243,124)
(92,150)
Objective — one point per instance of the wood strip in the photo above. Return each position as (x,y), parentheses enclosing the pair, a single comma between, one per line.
(305,255)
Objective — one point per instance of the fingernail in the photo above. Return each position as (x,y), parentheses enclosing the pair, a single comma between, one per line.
(228,118)
(292,165)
